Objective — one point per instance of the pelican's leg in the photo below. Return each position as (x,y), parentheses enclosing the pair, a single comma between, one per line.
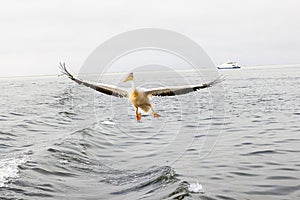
(138,115)
(156,115)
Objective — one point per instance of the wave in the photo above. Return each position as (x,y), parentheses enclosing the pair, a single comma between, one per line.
(9,168)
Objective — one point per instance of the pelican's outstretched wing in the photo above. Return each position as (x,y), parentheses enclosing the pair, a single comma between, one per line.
(178,90)
(100,87)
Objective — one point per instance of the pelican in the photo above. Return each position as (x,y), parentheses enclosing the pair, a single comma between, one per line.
(140,98)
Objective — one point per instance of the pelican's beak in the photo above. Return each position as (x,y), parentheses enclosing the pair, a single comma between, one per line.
(129,77)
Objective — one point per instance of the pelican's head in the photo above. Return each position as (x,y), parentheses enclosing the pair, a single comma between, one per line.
(129,77)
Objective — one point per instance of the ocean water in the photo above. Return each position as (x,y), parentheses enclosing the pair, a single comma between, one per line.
(59,140)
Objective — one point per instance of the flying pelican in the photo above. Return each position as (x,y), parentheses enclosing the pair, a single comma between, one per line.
(139,97)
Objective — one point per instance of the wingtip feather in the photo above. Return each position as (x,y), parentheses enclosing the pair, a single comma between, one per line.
(64,70)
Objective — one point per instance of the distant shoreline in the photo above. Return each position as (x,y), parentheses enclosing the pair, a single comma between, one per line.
(274,65)
(116,73)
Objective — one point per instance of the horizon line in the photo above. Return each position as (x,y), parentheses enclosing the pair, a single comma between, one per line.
(120,72)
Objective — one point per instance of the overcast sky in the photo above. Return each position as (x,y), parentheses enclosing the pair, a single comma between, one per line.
(37,34)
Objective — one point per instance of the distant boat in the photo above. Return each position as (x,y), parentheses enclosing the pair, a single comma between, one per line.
(229,65)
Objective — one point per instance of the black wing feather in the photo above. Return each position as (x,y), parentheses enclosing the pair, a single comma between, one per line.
(103,88)
(179,90)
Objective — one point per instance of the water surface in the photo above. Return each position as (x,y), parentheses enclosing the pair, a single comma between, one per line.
(59,140)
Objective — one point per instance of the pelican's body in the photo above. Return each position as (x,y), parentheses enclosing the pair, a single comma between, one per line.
(139,97)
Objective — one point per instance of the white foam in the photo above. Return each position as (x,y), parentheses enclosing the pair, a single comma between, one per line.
(196,188)
(108,122)
(9,168)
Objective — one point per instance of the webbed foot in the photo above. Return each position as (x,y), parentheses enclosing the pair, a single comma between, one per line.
(138,117)
(156,115)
